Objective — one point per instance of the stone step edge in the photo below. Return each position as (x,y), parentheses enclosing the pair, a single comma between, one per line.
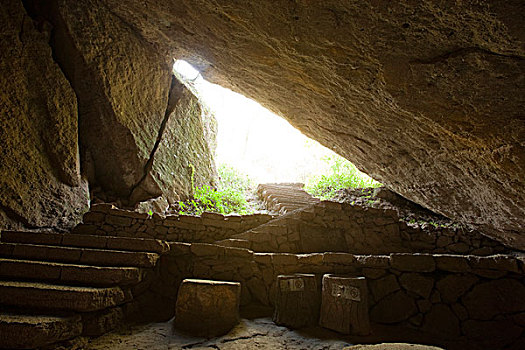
(69,273)
(21,331)
(40,295)
(86,241)
(79,255)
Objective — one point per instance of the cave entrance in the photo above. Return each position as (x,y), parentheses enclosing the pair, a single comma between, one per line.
(256,142)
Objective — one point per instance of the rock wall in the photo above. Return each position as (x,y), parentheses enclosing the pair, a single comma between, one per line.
(448,297)
(106,220)
(78,77)
(140,127)
(40,182)
(423,96)
(341,227)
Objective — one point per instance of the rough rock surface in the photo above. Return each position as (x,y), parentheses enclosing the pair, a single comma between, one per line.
(425,98)
(40,183)
(207,308)
(139,127)
(76,76)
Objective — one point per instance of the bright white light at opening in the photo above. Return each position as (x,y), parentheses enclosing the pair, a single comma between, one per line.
(253,139)
(186,70)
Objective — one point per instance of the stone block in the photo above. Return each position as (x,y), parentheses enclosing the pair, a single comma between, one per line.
(452,287)
(413,262)
(204,249)
(494,262)
(207,308)
(298,300)
(339,258)
(452,263)
(344,305)
(284,259)
(493,298)
(374,261)
(93,217)
(102,207)
(383,286)
(118,220)
(263,258)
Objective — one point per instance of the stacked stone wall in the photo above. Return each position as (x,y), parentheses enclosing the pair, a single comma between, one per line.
(341,227)
(106,220)
(473,298)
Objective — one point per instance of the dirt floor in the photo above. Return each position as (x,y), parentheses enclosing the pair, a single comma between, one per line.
(257,333)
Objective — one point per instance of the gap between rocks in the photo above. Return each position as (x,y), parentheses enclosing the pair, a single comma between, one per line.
(174,95)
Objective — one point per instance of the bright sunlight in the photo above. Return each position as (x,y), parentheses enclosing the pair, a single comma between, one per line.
(254,140)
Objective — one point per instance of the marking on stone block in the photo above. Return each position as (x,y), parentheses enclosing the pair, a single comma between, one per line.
(292,285)
(346,292)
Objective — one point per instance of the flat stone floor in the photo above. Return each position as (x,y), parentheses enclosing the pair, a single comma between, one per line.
(259,333)
(254,332)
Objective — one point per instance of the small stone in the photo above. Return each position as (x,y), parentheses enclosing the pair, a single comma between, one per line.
(452,287)
(207,308)
(384,286)
(459,248)
(417,284)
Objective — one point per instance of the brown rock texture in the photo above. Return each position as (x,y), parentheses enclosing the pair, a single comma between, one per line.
(207,308)
(425,97)
(140,128)
(40,183)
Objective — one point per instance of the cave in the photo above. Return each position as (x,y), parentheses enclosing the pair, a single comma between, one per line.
(422,96)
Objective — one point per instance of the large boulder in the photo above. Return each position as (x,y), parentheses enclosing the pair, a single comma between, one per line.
(425,97)
(40,182)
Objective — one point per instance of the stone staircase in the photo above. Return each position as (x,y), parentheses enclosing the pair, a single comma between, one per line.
(285,197)
(55,287)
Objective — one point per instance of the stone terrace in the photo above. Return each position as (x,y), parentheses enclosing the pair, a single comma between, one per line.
(451,285)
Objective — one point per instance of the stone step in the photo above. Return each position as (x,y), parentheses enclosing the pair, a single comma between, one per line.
(289,194)
(303,202)
(36,295)
(83,256)
(68,273)
(85,241)
(34,331)
(235,242)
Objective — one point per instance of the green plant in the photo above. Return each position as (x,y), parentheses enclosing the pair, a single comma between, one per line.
(342,174)
(228,197)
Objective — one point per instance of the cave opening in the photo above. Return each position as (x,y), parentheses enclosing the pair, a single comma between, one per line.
(254,141)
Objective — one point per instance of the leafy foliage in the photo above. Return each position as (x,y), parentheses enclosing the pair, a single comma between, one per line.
(228,197)
(342,174)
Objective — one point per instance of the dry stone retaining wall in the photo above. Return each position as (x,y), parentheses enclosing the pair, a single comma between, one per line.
(447,296)
(105,219)
(341,227)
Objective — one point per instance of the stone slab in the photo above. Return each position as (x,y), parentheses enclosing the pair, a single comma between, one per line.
(207,308)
